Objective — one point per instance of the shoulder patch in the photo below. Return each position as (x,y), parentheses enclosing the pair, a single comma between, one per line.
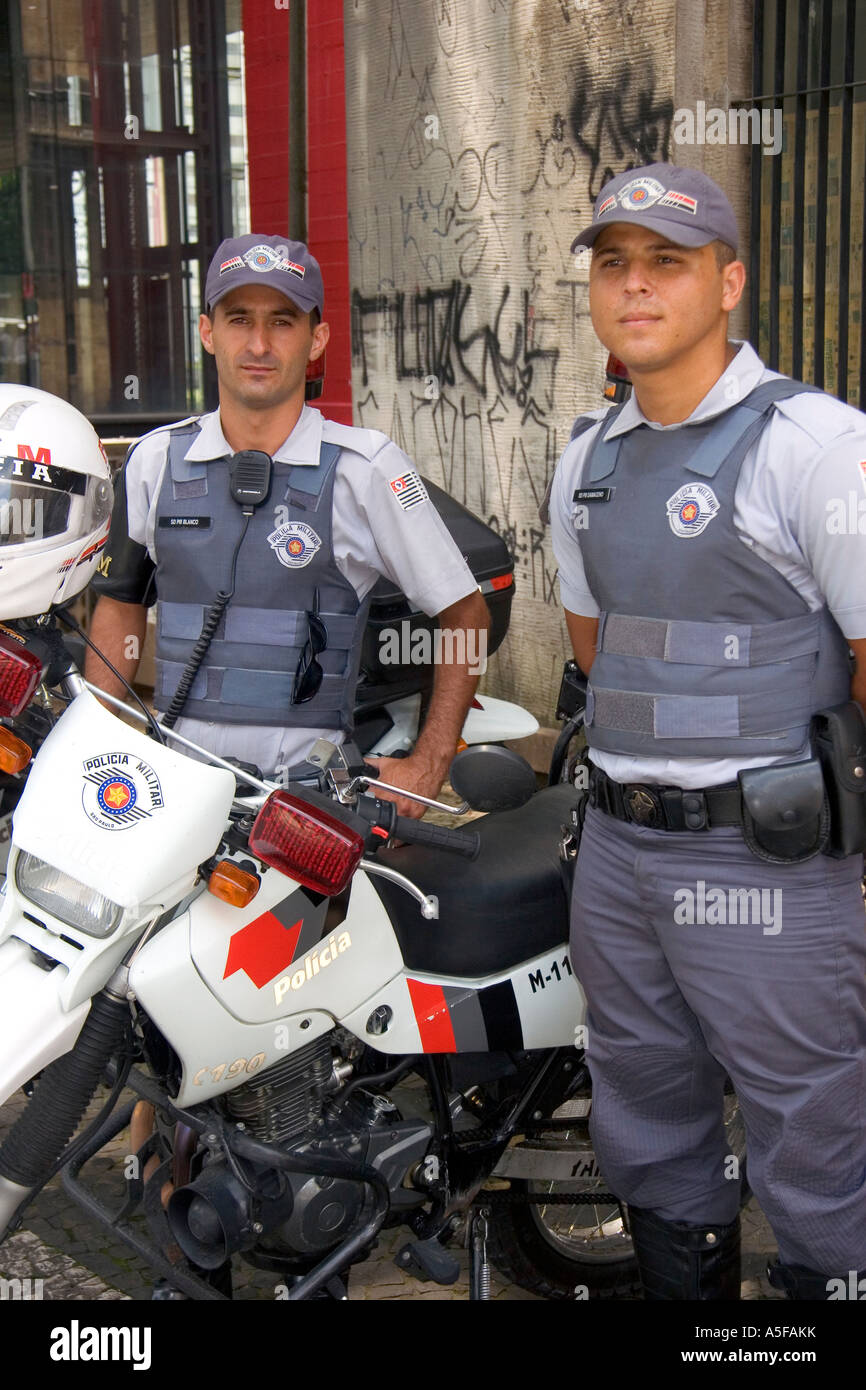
(408,489)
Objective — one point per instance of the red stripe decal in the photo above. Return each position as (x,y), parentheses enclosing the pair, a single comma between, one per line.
(432,1017)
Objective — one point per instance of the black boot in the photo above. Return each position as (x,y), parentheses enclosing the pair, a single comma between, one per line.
(808,1286)
(678,1260)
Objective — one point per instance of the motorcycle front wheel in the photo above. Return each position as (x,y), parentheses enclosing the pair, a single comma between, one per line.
(582,1250)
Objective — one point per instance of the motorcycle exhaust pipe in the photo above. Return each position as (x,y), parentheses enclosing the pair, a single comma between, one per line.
(216,1215)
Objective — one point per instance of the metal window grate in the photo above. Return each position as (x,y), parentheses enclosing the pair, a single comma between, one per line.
(808,270)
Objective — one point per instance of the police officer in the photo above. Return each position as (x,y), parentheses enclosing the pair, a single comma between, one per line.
(345,506)
(712,589)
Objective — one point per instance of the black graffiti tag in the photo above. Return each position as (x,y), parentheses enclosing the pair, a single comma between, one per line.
(620,125)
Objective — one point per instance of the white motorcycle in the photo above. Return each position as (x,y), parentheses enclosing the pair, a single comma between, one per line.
(325,1034)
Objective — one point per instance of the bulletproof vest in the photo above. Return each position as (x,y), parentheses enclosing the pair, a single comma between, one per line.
(703,648)
(286,556)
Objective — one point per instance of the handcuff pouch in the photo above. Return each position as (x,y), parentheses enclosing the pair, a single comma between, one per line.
(786,812)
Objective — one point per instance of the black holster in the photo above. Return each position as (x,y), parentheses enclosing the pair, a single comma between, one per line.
(839,744)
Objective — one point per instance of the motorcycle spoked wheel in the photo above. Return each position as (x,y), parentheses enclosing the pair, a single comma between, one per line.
(558,1251)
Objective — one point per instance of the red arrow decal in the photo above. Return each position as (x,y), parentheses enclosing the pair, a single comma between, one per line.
(262,948)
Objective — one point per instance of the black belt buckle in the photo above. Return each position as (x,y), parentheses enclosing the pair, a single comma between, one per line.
(643,805)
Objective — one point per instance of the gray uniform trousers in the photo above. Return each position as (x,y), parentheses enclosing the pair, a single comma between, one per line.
(777,999)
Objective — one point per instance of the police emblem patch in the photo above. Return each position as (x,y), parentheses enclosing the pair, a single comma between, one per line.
(640,193)
(264,258)
(691,509)
(294,544)
(120,790)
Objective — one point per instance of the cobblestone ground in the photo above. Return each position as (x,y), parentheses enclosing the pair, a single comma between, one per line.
(78,1259)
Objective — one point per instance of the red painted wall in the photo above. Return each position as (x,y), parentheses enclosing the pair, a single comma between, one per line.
(266,72)
(327,217)
(266,63)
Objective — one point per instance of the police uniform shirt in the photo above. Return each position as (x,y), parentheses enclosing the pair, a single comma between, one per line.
(374,534)
(800,503)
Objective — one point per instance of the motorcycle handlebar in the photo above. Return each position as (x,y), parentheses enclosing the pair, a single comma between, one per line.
(419,832)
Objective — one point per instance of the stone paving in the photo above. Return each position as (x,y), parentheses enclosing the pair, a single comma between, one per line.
(77,1259)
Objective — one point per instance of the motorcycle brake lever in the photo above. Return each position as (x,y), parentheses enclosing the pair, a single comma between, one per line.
(360,784)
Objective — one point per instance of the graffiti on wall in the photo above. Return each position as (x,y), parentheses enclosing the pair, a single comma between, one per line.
(620,124)
(479,137)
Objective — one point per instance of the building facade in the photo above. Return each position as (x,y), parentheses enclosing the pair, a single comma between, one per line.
(438,158)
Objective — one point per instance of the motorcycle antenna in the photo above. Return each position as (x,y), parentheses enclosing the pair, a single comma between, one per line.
(66,617)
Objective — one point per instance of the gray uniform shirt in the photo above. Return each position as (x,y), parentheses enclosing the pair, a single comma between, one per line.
(800,504)
(374,534)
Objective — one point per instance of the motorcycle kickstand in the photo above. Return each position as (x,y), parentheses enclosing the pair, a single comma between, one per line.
(479,1267)
(335,1290)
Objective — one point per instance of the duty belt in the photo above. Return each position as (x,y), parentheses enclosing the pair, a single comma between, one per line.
(665,808)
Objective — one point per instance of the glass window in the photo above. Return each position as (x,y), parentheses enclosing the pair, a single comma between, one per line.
(112,139)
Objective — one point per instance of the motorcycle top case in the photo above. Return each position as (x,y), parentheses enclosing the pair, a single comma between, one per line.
(489,559)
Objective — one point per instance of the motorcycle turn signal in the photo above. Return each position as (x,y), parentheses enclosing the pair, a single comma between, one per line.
(232,884)
(15,754)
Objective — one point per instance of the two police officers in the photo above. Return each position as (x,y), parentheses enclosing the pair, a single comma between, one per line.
(717,921)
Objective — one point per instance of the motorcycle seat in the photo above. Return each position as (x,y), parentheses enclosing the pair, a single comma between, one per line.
(504,907)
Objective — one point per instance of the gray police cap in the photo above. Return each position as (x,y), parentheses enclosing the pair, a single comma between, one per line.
(274,261)
(682,204)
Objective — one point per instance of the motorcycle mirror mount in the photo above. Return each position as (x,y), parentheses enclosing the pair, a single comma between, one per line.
(347,776)
(492,778)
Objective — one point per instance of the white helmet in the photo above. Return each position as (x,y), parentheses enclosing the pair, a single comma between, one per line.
(55,501)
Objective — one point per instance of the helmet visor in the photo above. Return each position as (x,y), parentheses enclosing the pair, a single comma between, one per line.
(39,501)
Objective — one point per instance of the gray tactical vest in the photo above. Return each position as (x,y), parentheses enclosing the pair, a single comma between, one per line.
(249,670)
(703,648)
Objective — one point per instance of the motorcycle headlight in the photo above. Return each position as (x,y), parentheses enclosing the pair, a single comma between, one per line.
(64,897)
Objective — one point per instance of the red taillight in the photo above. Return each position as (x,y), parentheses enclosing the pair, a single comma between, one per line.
(617,378)
(315,379)
(501,581)
(20,673)
(306,843)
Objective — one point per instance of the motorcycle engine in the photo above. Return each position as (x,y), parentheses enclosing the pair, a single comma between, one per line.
(286,1101)
(277,1217)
